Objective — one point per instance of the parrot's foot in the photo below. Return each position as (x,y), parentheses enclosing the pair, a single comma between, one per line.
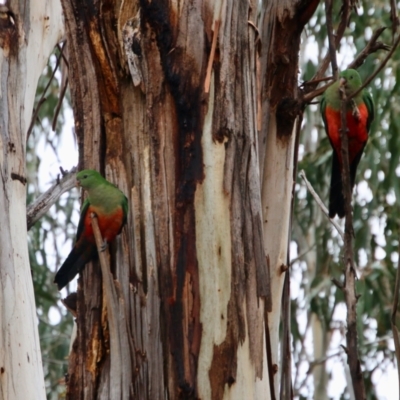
(104,245)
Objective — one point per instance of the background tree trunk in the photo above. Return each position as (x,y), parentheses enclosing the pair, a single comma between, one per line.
(165,98)
(281,27)
(28,33)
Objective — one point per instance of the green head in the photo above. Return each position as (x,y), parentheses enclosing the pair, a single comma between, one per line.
(88,179)
(350,80)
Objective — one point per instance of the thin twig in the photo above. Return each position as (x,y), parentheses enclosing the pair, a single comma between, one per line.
(41,205)
(393,319)
(393,17)
(379,69)
(42,98)
(35,116)
(318,200)
(349,287)
(372,47)
(338,37)
(332,46)
(324,79)
(59,104)
(61,50)
(307,98)
(314,363)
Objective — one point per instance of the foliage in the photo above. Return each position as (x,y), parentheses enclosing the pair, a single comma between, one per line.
(376,219)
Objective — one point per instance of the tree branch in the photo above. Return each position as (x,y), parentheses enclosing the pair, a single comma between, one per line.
(322,206)
(332,45)
(41,205)
(111,299)
(372,47)
(349,287)
(346,8)
(379,69)
(393,17)
(42,98)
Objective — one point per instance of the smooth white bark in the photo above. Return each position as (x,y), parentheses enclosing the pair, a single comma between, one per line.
(39,26)
(276,200)
(213,231)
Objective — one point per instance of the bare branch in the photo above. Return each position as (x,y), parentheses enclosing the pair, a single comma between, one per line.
(349,287)
(307,98)
(318,200)
(332,45)
(338,37)
(379,69)
(43,98)
(337,283)
(394,17)
(59,104)
(41,205)
(372,47)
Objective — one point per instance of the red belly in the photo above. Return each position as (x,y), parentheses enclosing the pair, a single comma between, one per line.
(356,130)
(109,224)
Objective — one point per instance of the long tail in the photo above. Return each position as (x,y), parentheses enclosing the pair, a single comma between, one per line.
(74,264)
(336,200)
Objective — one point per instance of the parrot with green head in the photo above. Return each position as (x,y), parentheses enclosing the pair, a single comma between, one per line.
(359,115)
(111,208)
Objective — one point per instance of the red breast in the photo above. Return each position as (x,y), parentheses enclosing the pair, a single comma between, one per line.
(109,224)
(357,130)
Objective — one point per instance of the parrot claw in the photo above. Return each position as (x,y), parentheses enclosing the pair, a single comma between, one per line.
(104,245)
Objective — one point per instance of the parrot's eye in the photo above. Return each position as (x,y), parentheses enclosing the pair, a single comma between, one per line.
(84,176)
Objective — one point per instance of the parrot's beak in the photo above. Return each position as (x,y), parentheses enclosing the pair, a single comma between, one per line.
(78,183)
(342,82)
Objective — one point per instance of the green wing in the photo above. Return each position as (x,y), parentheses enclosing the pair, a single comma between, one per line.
(367,99)
(322,109)
(84,209)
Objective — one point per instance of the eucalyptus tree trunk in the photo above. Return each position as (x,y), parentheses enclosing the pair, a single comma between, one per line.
(174,104)
(281,25)
(28,33)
